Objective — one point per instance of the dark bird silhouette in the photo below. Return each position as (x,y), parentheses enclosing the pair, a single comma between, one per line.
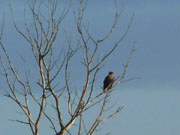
(108,81)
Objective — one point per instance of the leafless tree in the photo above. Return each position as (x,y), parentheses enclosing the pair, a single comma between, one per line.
(51,96)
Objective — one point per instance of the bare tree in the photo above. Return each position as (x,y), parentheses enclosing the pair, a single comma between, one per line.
(52,95)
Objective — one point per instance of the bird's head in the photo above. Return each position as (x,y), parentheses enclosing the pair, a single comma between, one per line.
(110,73)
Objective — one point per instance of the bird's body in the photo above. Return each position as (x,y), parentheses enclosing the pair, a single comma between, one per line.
(108,81)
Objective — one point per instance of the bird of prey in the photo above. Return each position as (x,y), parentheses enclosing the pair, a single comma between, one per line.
(108,81)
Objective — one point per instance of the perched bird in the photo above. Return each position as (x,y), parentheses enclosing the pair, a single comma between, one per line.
(108,81)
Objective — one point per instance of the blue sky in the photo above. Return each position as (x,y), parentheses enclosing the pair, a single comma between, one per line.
(152,102)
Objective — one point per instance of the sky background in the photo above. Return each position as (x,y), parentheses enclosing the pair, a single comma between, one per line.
(152,103)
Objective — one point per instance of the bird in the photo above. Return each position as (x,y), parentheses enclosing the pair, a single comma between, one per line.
(109,81)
